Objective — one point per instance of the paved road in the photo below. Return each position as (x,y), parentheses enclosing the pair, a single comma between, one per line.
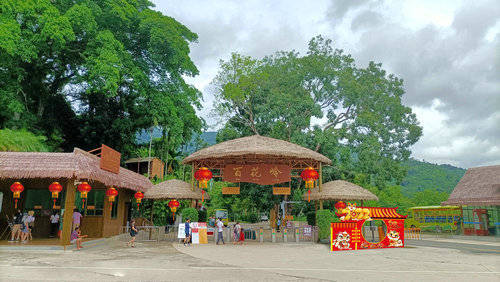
(251,262)
(475,248)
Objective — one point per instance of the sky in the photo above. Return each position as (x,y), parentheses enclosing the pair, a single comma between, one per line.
(447,52)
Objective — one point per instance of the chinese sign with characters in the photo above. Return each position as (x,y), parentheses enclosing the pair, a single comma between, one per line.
(263,174)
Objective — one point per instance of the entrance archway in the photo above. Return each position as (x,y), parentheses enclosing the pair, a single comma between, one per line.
(258,159)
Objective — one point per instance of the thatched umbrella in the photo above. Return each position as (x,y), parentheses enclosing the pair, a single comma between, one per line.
(173,189)
(340,190)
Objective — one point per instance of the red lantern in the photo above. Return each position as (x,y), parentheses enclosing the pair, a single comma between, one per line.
(340,205)
(173,204)
(55,188)
(16,189)
(111,193)
(309,175)
(138,197)
(203,175)
(84,188)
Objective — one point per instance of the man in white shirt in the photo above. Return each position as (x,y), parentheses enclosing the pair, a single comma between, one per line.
(54,224)
(220,229)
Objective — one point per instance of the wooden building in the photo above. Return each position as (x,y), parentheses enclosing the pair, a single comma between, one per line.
(140,165)
(340,190)
(36,171)
(478,194)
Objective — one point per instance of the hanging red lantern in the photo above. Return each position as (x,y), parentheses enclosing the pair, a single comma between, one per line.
(138,197)
(55,188)
(340,205)
(203,175)
(173,205)
(202,195)
(84,188)
(16,189)
(309,175)
(111,193)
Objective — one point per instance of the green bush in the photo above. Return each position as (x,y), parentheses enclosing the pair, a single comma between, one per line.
(202,216)
(253,218)
(190,213)
(311,218)
(323,220)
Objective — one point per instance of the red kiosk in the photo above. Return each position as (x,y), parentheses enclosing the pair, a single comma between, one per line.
(348,234)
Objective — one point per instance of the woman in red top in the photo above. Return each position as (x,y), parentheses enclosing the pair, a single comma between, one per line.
(242,237)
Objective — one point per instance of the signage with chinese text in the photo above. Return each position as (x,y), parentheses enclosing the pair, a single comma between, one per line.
(263,174)
(281,191)
(230,190)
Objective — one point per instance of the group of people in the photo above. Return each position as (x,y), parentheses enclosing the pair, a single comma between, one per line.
(238,234)
(22,226)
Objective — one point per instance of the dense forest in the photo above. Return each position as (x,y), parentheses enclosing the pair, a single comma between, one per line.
(86,73)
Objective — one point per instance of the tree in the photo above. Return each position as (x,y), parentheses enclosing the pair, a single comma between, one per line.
(366,130)
(88,72)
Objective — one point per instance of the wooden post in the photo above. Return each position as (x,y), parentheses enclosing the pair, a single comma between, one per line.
(320,178)
(192,177)
(320,204)
(69,203)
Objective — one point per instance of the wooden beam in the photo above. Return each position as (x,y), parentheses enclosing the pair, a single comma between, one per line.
(69,203)
(320,178)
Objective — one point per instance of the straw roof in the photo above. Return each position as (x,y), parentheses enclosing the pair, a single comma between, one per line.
(174,189)
(256,146)
(78,164)
(341,190)
(480,186)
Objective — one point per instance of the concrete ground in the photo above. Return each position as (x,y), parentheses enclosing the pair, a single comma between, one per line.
(253,261)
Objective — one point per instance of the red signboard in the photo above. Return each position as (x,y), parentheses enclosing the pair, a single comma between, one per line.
(263,174)
(348,234)
(110,159)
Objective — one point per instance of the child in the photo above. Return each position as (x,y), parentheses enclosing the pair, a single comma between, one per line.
(242,237)
(133,232)
(76,237)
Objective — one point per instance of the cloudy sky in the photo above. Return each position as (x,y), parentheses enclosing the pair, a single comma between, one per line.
(448,53)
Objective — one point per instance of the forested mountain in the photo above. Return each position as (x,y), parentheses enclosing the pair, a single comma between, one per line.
(427,176)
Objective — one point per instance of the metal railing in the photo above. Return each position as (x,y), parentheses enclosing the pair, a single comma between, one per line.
(169,233)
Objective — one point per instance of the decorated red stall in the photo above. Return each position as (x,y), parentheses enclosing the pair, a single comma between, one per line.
(349,234)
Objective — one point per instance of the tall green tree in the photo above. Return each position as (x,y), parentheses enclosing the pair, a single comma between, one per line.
(93,72)
(365,127)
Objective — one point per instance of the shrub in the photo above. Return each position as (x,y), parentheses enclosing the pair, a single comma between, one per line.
(202,215)
(323,220)
(311,218)
(253,218)
(190,213)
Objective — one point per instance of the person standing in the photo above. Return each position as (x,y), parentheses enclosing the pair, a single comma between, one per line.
(77,216)
(17,226)
(54,224)
(133,233)
(187,232)
(31,223)
(220,229)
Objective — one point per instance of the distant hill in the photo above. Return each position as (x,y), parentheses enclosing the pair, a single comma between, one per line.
(421,175)
(424,176)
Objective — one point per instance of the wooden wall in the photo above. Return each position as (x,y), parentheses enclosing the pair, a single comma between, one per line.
(157,168)
(113,226)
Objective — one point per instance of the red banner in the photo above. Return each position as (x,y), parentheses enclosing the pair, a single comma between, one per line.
(263,174)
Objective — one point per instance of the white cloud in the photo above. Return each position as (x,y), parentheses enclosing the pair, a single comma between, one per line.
(446,51)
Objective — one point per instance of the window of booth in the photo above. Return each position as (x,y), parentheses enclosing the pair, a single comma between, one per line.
(114,210)
(94,203)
